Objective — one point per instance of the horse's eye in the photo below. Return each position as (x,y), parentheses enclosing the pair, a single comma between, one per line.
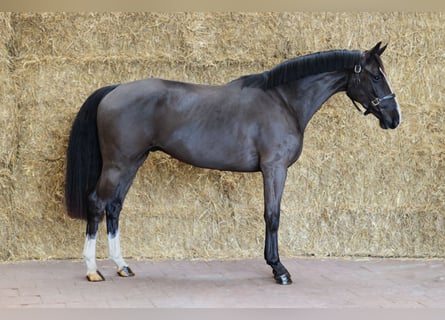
(377,77)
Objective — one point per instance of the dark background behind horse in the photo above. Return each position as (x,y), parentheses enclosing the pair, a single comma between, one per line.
(356,190)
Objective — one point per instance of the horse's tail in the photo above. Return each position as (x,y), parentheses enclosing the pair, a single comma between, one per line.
(84,160)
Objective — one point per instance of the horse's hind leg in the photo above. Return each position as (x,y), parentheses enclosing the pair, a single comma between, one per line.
(114,248)
(113,209)
(108,197)
(96,213)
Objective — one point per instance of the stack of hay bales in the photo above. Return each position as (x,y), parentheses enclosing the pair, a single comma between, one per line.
(357,189)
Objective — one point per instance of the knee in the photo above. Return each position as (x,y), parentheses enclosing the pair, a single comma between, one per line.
(272,221)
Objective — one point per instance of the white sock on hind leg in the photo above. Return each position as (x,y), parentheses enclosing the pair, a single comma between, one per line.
(114,249)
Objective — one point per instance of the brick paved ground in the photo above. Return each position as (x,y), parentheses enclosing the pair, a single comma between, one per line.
(333,283)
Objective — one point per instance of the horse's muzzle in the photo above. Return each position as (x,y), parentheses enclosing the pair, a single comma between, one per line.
(390,123)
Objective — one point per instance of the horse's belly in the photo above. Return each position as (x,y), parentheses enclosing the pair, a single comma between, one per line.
(215,154)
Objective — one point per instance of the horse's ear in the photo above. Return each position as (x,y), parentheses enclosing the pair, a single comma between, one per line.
(381,50)
(375,51)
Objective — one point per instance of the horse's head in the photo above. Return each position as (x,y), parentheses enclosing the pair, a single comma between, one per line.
(369,86)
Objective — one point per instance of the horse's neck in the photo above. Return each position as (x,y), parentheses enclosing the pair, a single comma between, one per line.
(307,95)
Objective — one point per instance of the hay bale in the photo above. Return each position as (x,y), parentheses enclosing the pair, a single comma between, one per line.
(7,110)
(357,190)
(8,136)
(73,35)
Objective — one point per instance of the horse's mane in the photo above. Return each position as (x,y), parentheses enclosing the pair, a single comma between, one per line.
(300,67)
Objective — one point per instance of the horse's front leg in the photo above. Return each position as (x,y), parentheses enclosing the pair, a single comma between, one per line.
(274,178)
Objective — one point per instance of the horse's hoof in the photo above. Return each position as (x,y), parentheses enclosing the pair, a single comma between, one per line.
(125,272)
(283,279)
(95,277)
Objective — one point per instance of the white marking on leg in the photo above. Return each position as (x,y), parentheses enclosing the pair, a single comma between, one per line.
(114,249)
(89,253)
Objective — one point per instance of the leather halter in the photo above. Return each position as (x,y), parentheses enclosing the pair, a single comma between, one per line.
(375,101)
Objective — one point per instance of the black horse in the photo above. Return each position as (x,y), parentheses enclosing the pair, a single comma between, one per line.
(254,123)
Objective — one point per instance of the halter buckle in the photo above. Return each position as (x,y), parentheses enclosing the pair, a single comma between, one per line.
(375,102)
(357,68)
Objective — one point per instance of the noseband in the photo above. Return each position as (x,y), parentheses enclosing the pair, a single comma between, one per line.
(375,101)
